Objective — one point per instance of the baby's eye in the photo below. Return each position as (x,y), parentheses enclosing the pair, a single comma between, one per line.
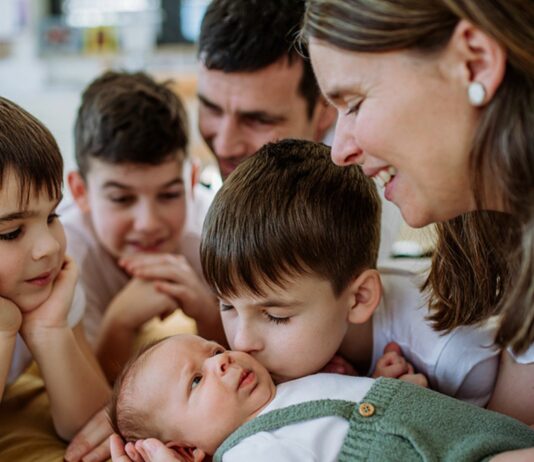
(196,380)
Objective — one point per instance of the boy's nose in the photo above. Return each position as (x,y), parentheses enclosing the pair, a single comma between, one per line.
(245,339)
(45,245)
(147,218)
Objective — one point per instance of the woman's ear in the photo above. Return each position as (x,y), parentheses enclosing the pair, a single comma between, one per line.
(366,293)
(481,57)
(189,454)
(78,190)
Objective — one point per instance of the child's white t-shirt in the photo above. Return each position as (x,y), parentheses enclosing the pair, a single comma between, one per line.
(462,363)
(313,440)
(22,356)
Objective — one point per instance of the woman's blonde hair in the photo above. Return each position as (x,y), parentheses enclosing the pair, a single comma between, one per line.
(484,261)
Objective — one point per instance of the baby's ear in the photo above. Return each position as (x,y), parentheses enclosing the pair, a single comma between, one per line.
(366,295)
(188,454)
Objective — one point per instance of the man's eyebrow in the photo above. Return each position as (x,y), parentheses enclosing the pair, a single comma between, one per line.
(262,115)
(118,185)
(207,102)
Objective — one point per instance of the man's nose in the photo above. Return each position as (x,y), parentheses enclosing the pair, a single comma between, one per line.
(229,141)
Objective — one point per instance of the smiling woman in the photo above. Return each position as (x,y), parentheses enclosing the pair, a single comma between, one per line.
(439,95)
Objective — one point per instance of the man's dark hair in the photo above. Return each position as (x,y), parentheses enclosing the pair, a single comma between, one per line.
(248,35)
(28,150)
(129,118)
(289,210)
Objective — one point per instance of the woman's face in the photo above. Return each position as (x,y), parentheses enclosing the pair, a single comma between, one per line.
(406,119)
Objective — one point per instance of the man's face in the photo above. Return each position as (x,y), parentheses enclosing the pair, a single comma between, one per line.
(137,208)
(202,392)
(241,111)
(292,330)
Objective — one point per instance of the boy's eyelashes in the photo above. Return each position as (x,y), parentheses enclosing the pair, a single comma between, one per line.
(14,234)
(225,307)
(11,235)
(276,319)
(130,199)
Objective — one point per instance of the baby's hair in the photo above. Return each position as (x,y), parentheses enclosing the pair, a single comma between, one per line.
(29,151)
(129,421)
(129,118)
(289,210)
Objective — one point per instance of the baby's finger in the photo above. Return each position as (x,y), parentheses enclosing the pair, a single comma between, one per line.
(392,347)
(416,379)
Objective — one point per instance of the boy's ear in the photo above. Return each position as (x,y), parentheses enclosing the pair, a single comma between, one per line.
(366,291)
(78,189)
(189,454)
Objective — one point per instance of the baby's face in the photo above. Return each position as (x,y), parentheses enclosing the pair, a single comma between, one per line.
(200,392)
(32,246)
(292,330)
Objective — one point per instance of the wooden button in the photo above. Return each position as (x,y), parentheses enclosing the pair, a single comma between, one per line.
(366,409)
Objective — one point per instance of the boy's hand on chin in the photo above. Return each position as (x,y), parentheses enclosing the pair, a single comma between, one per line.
(139,302)
(10,317)
(173,275)
(53,312)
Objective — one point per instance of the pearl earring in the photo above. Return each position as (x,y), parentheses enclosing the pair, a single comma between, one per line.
(476,93)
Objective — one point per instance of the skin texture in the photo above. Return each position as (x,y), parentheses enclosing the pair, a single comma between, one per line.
(241,111)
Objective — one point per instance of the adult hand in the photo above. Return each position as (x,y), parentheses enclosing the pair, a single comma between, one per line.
(149,450)
(91,444)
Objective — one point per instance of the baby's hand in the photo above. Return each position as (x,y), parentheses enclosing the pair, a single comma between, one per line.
(394,365)
(150,450)
(10,317)
(53,312)
(339,365)
(174,276)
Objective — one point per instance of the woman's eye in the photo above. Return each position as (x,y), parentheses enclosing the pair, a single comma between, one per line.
(196,380)
(169,196)
(11,236)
